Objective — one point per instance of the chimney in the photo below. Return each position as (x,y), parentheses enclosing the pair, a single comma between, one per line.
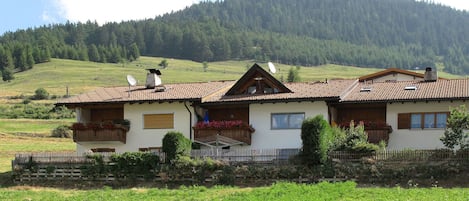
(153,78)
(430,75)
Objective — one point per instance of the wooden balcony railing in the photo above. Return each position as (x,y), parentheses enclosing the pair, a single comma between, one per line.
(239,134)
(101,134)
(375,135)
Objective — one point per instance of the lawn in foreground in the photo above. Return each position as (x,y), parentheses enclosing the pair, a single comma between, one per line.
(279,191)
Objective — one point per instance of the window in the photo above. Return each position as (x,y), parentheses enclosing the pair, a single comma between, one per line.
(426,120)
(158,121)
(287,120)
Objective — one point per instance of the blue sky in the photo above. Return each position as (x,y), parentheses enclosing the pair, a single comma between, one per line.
(23,14)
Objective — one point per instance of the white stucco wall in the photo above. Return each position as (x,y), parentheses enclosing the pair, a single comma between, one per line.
(260,118)
(138,137)
(416,138)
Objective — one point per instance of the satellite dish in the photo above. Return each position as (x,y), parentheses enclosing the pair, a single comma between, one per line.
(272,67)
(131,80)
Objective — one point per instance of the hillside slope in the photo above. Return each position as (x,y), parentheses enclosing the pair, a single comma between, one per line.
(81,76)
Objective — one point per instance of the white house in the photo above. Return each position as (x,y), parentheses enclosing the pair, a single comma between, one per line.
(414,105)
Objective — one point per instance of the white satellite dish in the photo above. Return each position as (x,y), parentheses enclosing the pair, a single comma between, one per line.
(131,80)
(272,67)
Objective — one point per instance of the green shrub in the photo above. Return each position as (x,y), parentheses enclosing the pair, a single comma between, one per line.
(175,145)
(40,94)
(62,131)
(356,140)
(315,136)
(364,147)
(134,163)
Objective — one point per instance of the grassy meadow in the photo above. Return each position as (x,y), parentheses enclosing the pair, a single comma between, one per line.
(279,191)
(81,76)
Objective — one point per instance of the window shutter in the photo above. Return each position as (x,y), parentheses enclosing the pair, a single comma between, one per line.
(403,121)
(158,121)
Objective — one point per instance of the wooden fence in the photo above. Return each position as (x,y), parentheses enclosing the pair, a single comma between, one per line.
(403,156)
(274,156)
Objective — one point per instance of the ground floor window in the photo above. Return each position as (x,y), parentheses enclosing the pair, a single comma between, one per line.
(287,120)
(424,120)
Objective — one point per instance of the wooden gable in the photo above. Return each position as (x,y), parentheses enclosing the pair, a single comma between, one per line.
(257,81)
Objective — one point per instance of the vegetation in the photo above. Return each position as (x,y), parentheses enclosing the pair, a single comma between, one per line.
(278,191)
(404,34)
(353,139)
(62,131)
(125,165)
(40,94)
(175,145)
(455,136)
(315,133)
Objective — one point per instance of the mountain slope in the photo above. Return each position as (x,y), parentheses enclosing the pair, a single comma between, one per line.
(365,33)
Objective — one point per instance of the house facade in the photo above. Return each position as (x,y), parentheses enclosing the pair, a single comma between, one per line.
(403,108)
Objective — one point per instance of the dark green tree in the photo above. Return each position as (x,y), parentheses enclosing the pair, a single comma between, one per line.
(93,53)
(175,145)
(41,94)
(164,63)
(293,75)
(315,136)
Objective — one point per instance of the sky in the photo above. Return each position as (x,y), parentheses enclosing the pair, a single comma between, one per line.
(23,14)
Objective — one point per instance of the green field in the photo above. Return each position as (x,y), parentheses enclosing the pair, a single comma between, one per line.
(81,76)
(279,191)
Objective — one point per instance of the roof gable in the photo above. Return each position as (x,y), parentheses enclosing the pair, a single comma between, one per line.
(390,71)
(257,81)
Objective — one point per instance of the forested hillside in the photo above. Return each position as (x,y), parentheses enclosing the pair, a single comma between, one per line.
(365,33)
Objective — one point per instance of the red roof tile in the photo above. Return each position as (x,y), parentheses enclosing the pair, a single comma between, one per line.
(395,91)
(173,92)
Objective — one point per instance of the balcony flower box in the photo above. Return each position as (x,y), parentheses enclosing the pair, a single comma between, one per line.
(105,131)
(236,130)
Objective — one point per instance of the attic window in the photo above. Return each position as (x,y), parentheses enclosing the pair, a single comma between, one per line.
(411,88)
(365,89)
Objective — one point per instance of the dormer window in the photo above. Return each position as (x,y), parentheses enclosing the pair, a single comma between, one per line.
(257,81)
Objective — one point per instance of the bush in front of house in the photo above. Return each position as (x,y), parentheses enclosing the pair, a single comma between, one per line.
(176,145)
(133,164)
(354,139)
(457,123)
(125,165)
(315,135)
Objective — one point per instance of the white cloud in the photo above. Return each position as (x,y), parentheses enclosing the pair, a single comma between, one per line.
(103,11)
(457,4)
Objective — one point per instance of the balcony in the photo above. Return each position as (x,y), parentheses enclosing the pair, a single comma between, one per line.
(376,135)
(228,130)
(92,132)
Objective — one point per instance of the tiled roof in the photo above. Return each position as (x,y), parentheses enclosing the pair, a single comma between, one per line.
(300,91)
(395,91)
(173,92)
(339,90)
